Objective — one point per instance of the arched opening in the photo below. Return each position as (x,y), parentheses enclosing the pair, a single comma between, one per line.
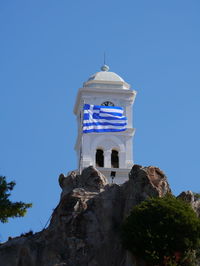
(114,159)
(99,158)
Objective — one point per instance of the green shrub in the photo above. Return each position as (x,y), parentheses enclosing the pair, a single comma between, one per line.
(162,231)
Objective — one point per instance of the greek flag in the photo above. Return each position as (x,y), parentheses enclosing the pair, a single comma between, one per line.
(97,118)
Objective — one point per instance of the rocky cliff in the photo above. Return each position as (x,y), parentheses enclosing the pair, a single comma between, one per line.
(84,228)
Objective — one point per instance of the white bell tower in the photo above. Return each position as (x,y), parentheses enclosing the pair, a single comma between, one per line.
(109,152)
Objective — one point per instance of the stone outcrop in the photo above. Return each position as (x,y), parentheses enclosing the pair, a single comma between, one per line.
(84,227)
(193,199)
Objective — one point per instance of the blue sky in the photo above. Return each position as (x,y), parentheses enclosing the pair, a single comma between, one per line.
(48,48)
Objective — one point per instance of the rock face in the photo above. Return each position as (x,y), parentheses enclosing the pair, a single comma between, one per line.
(84,228)
(193,199)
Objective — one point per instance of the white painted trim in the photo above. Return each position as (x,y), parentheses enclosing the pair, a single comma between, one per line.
(84,93)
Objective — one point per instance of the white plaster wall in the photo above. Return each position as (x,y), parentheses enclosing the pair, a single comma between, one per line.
(107,142)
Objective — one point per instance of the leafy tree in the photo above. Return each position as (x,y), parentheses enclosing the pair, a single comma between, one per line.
(7,208)
(162,231)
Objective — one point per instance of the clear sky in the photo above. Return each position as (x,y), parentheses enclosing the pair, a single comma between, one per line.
(48,48)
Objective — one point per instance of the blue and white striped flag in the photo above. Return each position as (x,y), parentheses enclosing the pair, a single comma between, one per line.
(97,118)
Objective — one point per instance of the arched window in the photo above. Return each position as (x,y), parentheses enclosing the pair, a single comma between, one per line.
(99,158)
(114,159)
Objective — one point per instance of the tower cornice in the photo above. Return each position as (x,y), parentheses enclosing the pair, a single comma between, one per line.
(87,91)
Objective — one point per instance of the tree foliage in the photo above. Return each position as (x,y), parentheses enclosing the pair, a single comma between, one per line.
(10,209)
(163,231)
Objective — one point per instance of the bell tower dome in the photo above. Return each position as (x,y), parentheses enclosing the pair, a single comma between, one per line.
(109,152)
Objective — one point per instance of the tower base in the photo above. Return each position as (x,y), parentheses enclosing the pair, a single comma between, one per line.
(115,175)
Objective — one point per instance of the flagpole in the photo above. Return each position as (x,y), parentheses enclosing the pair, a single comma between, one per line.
(81,146)
(81,155)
